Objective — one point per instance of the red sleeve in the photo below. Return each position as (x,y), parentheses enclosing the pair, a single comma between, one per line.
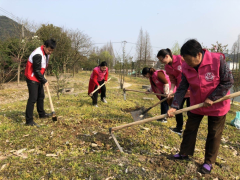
(106,76)
(95,75)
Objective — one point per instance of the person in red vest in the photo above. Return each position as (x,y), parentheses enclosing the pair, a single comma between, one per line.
(98,77)
(173,67)
(160,84)
(209,79)
(34,72)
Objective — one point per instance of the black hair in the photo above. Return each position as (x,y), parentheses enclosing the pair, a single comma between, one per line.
(148,70)
(192,47)
(164,52)
(50,43)
(104,63)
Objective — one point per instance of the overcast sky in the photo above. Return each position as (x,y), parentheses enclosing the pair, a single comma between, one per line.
(167,21)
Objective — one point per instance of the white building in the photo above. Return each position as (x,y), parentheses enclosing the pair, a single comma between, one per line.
(232,65)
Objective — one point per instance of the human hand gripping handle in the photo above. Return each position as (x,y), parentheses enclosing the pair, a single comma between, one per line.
(174,111)
(99,87)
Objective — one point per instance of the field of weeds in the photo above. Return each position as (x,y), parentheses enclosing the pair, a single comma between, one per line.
(78,145)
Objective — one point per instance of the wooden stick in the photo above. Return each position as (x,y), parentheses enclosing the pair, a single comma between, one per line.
(50,99)
(176,112)
(54,117)
(159,102)
(98,87)
(164,95)
(116,142)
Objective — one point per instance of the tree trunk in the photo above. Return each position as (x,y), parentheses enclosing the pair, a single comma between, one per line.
(64,68)
(18,73)
(73,70)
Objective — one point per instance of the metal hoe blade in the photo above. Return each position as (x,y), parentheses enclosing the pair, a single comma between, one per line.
(124,96)
(136,114)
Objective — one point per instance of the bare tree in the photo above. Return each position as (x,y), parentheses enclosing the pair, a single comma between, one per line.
(109,48)
(140,50)
(147,48)
(20,46)
(81,47)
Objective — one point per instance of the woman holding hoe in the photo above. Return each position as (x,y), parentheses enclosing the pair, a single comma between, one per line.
(173,67)
(160,83)
(98,77)
(209,79)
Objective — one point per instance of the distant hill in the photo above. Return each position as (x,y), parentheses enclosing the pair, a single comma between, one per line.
(9,28)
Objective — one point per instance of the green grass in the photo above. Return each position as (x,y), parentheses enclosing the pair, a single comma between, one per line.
(71,139)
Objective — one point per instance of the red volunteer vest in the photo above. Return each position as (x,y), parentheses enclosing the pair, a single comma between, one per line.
(101,74)
(204,82)
(156,85)
(29,67)
(175,69)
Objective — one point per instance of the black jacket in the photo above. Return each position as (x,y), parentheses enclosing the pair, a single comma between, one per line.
(37,65)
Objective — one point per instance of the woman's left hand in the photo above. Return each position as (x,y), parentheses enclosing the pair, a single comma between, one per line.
(207,103)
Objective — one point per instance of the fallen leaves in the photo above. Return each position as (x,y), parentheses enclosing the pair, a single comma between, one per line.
(94,145)
(4,166)
(2,158)
(20,153)
(51,155)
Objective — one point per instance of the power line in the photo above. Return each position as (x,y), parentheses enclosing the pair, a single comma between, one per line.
(130,43)
(107,42)
(10,14)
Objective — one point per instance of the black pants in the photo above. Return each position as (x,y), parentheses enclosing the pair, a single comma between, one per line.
(179,117)
(36,94)
(164,107)
(103,92)
(215,129)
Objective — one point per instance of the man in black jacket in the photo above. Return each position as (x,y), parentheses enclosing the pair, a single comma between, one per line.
(34,72)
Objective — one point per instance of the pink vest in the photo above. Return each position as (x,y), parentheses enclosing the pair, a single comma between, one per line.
(157,86)
(175,69)
(204,82)
(101,74)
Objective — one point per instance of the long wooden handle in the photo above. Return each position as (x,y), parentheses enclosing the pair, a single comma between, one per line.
(164,95)
(99,87)
(159,102)
(176,112)
(50,99)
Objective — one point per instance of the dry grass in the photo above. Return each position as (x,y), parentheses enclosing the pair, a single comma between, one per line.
(78,145)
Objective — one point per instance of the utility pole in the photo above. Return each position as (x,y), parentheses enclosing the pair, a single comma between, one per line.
(122,64)
(22,31)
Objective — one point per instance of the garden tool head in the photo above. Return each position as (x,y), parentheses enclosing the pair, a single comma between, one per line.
(54,117)
(124,94)
(137,114)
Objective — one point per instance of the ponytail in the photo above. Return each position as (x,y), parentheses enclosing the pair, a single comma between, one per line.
(148,70)
(151,71)
(164,52)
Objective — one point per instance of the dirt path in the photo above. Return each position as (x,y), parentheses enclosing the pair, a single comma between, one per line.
(125,85)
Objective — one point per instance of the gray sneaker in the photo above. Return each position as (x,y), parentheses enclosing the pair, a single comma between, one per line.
(164,120)
(95,105)
(104,100)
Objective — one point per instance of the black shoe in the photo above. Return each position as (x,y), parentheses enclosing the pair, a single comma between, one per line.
(46,115)
(176,130)
(32,124)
